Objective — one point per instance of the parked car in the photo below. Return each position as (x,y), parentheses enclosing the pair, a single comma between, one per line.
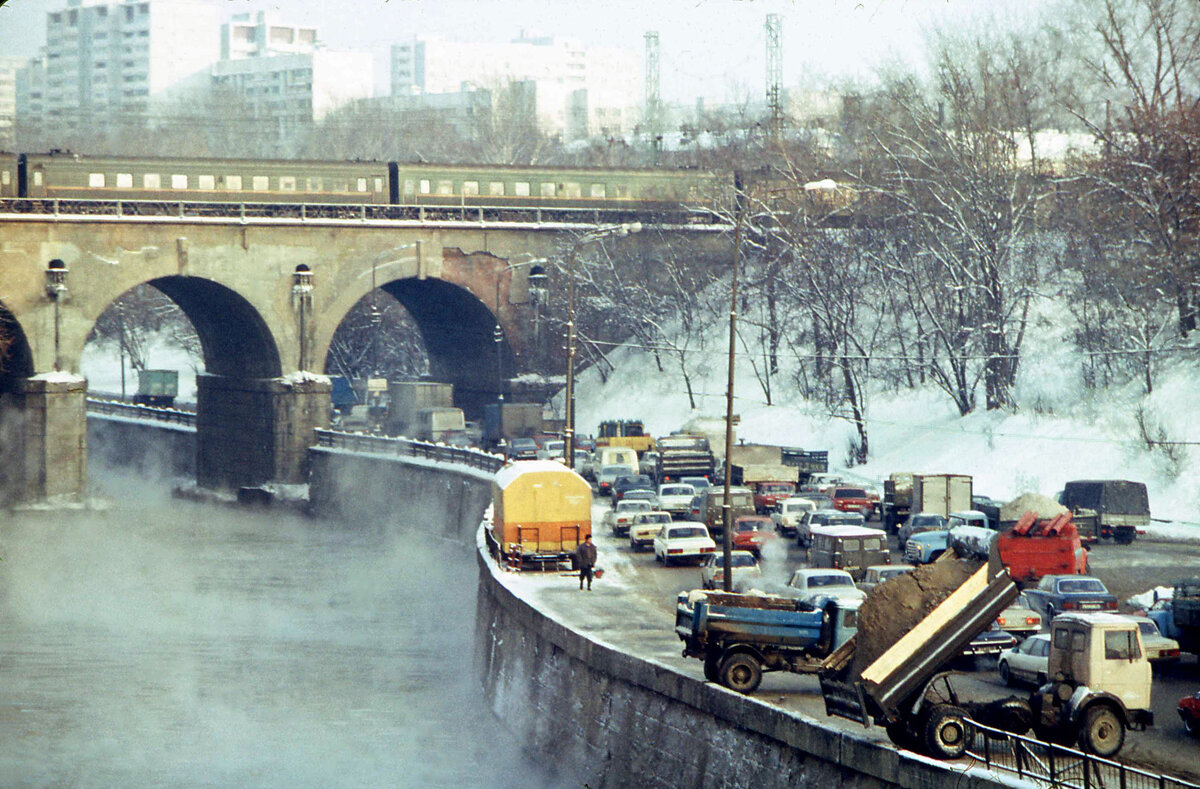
(751,533)
(878,573)
(622,485)
(683,541)
(643,495)
(645,526)
(1026,662)
(1057,593)
(852,500)
(824,518)
(919,522)
(807,583)
(1019,618)
(676,498)
(745,570)
(1189,713)
(521,449)
(788,513)
(618,519)
(1159,649)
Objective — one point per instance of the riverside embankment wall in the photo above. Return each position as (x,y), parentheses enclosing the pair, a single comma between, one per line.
(601,716)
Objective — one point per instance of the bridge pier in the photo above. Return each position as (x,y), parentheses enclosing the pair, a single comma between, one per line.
(43,427)
(250,431)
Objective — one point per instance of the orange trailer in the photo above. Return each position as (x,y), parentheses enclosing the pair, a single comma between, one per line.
(541,512)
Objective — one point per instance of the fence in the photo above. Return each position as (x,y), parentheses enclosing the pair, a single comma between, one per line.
(405,447)
(134,411)
(1044,764)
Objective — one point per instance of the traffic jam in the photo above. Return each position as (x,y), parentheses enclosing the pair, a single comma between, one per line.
(866,587)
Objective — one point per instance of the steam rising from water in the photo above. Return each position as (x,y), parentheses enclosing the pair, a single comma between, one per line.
(163,642)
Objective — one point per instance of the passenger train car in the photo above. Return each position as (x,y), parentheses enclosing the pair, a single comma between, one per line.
(67,176)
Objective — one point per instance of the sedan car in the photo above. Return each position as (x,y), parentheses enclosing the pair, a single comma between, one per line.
(745,570)
(807,583)
(878,573)
(1020,619)
(645,526)
(1159,648)
(751,533)
(852,500)
(1189,712)
(683,541)
(608,475)
(619,517)
(622,485)
(699,483)
(1027,662)
(676,498)
(643,495)
(990,642)
(522,449)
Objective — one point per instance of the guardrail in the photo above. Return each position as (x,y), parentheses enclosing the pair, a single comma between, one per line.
(406,447)
(135,411)
(1045,764)
(353,213)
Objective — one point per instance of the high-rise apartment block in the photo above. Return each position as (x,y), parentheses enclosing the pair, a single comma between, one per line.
(260,34)
(9,66)
(579,91)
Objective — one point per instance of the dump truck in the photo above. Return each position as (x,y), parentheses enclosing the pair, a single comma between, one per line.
(891,672)
(624,433)
(541,512)
(682,455)
(1116,509)
(740,636)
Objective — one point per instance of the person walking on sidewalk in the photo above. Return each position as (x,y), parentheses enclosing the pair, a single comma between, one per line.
(585,560)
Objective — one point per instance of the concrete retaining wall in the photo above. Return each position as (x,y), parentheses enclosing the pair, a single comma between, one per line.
(155,449)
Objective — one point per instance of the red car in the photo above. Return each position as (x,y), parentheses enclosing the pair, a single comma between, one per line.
(768,494)
(852,500)
(752,532)
(1189,711)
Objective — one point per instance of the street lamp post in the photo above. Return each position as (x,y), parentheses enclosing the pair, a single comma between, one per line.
(569,394)
(536,276)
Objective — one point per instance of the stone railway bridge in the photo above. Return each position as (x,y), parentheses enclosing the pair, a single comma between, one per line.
(265,295)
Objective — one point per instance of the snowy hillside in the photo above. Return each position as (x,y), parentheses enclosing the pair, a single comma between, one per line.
(1059,432)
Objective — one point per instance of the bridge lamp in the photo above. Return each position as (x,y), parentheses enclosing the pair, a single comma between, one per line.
(589,237)
(302,286)
(56,291)
(536,279)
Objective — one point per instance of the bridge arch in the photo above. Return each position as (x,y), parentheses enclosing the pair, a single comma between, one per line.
(16,358)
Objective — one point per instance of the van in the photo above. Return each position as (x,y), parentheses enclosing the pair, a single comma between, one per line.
(614,456)
(707,507)
(849,548)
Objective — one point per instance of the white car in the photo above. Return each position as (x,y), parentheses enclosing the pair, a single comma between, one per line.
(645,526)
(787,514)
(807,583)
(620,517)
(745,570)
(552,450)
(676,498)
(1159,648)
(683,541)
(1020,619)
(1028,661)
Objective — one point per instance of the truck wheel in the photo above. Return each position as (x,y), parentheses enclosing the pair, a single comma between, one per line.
(741,672)
(1103,733)
(1124,536)
(712,667)
(947,735)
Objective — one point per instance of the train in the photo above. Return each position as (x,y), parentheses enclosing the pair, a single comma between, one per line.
(62,175)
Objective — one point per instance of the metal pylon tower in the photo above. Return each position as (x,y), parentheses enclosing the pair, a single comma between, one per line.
(775,71)
(653,108)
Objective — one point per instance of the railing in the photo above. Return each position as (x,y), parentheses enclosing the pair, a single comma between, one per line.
(1044,764)
(352,213)
(134,411)
(405,447)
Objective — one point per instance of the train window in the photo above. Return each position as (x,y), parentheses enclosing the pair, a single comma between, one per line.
(5,178)
(260,183)
(598,190)
(573,190)
(208,182)
(378,184)
(445,187)
(522,189)
(362,184)
(179,181)
(470,187)
(548,190)
(95,179)
(314,184)
(233,183)
(37,177)
(424,186)
(151,181)
(496,188)
(287,183)
(124,180)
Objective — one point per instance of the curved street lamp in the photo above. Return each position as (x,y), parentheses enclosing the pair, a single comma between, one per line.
(536,277)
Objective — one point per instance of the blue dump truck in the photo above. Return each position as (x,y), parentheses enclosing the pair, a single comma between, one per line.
(739,636)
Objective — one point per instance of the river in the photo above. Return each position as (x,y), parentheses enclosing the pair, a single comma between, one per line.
(167,643)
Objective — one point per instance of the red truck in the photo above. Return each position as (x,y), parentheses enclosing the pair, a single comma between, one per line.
(1038,546)
(768,494)
(852,500)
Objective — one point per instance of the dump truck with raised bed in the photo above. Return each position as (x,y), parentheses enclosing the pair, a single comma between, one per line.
(892,670)
(740,636)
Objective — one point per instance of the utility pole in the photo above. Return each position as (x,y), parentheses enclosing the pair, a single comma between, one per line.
(775,72)
(653,107)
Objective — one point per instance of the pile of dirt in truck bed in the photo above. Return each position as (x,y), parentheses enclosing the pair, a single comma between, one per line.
(899,603)
(1043,506)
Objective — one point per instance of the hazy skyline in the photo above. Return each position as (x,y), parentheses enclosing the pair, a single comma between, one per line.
(710,48)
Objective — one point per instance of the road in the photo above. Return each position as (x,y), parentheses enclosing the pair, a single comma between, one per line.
(1127,570)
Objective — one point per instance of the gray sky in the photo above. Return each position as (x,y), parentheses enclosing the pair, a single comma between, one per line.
(711,48)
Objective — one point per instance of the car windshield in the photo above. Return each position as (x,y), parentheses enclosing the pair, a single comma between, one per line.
(1148,628)
(827,580)
(1081,585)
(524,443)
(748,526)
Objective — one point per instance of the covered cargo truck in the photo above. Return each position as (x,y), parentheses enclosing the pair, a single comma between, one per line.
(406,399)
(502,422)
(157,388)
(435,424)
(1121,508)
(541,512)
(941,493)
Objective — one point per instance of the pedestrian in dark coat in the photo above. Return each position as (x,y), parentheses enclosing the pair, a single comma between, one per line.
(585,560)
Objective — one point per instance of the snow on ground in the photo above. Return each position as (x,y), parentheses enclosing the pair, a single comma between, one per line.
(101,365)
